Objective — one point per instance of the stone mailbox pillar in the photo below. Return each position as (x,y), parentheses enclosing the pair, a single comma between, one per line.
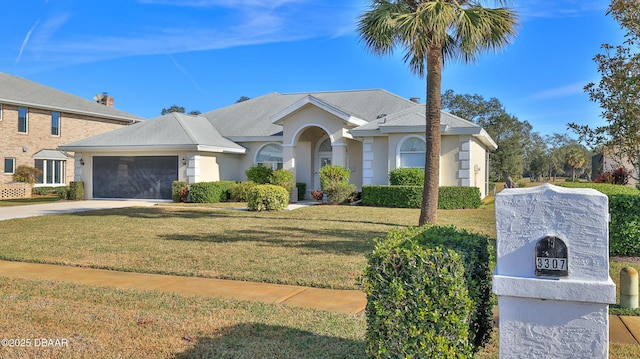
(552,273)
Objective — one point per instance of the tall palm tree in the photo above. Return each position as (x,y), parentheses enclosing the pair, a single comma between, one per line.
(575,160)
(430,33)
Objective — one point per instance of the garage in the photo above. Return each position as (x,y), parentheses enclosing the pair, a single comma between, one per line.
(140,177)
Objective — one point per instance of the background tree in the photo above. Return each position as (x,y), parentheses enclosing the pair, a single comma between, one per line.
(575,160)
(536,158)
(511,135)
(176,108)
(432,32)
(618,92)
(242,99)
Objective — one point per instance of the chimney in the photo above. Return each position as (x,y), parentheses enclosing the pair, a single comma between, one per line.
(104,99)
(415,99)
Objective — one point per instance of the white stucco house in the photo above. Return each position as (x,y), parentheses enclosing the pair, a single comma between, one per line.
(371,132)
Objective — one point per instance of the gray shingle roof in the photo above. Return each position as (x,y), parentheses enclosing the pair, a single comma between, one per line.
(253,117)
(18,91)
(174,130)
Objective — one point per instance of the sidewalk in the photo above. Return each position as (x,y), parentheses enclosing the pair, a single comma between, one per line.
(342,301)
(622,329)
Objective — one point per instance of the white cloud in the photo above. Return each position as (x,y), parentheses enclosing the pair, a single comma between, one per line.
(26,41)
(240,23)
(559,92)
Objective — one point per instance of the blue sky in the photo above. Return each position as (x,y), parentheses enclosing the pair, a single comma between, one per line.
(205,54)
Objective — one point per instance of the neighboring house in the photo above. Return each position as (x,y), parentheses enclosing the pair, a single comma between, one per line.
(371,132)
(603,162)
(36,119)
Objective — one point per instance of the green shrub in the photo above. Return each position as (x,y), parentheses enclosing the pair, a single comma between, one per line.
(282,178)
(26,174)
(429,293)
(302,190)
(62,192)
(340,192)
(406,177)
(417,300)
(179,191)
(76,190)
(239,192)
(330,175)
(392,196)
(449,197)
(258,174)
(624,210)
(210,192)
(43,191)
(267,197)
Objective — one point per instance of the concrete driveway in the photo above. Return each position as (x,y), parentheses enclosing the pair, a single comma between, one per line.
(34,210)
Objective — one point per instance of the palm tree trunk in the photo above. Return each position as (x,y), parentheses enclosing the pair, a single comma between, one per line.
(429,207)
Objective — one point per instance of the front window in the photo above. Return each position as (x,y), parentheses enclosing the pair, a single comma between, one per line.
(412,153)
(52,172)
(9,165)
(23,120)
(55,123)
(270,156)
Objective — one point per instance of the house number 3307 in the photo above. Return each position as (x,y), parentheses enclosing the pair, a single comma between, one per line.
(551,263)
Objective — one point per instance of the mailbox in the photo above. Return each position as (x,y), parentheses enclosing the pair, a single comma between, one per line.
(551,258)
(552,272)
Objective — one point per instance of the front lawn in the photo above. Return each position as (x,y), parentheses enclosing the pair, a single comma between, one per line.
(98,322)
(27,201)
(322,246)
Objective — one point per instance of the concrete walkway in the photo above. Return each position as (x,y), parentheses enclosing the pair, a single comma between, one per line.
(342,301)
(34,210)
(622,329)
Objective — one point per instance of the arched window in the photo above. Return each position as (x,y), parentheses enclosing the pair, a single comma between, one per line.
(270,156)
(412,152)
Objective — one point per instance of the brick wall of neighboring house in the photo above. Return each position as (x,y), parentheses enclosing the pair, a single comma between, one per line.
(22,146)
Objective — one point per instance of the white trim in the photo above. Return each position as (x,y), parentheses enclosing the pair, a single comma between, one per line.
(309,99)
(294,137)
(0,112)
(255,157)
(118,118)
(368,157)
(13,170)
(26,119)
(401,142)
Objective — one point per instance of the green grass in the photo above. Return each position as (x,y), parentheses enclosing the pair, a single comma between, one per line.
(110,323)
(322,246)
(28,201)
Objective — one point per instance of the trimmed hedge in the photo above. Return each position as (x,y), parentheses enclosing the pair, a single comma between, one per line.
(428,293)
(459,197)
(258,174)
(624,209)
(339,193)
(179,191)
(76,190)
(302,190)
(239,192)
(330,175)
(267,197)
(210,192)
(411,197)
(282,178)
(406,177)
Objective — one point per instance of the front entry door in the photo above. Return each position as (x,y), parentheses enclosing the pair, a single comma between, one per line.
(323,159)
